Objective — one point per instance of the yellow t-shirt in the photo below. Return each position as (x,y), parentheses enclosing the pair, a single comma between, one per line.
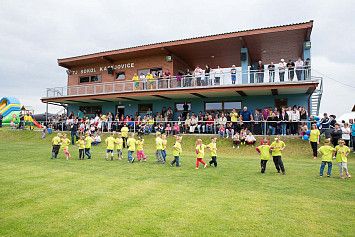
(119,143)
(234,117)
(327,153)
(151,121)
(110,143)
(277,147)
(140,145)
(341,151)
(164,143)
(88,140)
(264,152)
(313,137)
(56,140)
(149,77)
(135,78)
(201,151)
(124,131)
(213,147)
(81,144)
(177,146)
(65,143)
(159,143)
(131,142)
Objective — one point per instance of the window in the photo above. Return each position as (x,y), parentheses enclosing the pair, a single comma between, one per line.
(120,76)
(280,103)
(91,109)
(232,105)
(144,71)
(223,106)
(143,108)
(179,107)
(94,78)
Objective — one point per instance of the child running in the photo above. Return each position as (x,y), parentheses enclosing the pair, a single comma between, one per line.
(327,152)
(213,151)
(159,147)
(65,145)
(110,145)
(88,142)
(81,144)
(55,146)
(277,147)
(342,153)
(119,146)
(163,151)
(200,151)
(177,149)
(140,152)
(264,150)
(131,144)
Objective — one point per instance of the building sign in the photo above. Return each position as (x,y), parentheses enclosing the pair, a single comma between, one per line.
(101,69)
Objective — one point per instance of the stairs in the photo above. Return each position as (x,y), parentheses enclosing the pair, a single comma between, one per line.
(316,97)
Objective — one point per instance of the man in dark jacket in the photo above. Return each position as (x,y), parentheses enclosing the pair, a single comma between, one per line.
(260,69)
(74,132)
(257,122)
(325,123)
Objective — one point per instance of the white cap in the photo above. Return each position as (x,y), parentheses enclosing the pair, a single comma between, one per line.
(282,60)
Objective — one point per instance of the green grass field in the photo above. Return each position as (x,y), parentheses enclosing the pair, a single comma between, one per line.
(44,197)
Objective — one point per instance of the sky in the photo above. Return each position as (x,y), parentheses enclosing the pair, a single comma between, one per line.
(34,34)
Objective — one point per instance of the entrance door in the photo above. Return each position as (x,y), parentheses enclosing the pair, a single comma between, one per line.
(120,110)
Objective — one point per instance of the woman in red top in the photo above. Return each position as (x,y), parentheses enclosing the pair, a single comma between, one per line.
(209,124)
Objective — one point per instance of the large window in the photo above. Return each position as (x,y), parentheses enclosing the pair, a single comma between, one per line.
(179,107)
(143,108)
(120,76)
(91,109)
(223,106)
(94,78)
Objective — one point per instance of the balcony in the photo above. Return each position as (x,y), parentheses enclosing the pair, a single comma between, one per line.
(220,79)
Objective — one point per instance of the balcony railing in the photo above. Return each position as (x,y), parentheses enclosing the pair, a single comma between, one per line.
(214,79)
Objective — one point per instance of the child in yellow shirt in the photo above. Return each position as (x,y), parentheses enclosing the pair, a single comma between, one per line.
(342,153)
(88,142)
(163,151)
(200,151)
(159,147)
(177,149)
(140,152)
(56,142)
(326,151)
(110,145)
(65,145)
(119,145)
(131,143)
(264,151)
(81,144)
(213,151)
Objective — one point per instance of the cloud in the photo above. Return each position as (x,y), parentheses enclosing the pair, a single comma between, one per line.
(35,33)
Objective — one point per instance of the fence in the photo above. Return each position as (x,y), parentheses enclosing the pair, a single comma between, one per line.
(187,127)
(215,79)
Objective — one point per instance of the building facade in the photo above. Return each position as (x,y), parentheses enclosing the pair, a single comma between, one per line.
(102,82)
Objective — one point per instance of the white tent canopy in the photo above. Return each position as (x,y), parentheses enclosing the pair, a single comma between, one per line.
(346,117)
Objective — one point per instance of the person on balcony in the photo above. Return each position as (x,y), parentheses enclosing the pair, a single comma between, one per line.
(167,75)
(187,78)
(307,69)
(217,75)
(291,69)
(233,74)
(207,75)
(150,78)
(144,80)
(271,69)
(260,69)
(252,73)
(281,67)
(198,73)
(135,79)
(299,68)
(158,76)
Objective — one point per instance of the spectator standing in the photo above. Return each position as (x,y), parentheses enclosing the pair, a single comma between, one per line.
(198,73)
(234,119)
(271,69)
(252,73)
(295,118)
(74,133)
(346,134)
(185,108)
(80,114)
(167,75)
(144,80)
(217,75)
(291,69)
(187,78)
(158,76)
(207,75)
(246,116)
(299,68)
(260,69)
(135,79)
(281,67)
(233,74)
(257,122)
(283,117)
(336,134)
(307,69)
(151,79)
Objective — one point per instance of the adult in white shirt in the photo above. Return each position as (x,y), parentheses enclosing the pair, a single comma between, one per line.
(299,68)
(218,73)
(281,67)
(194,122)
(142,78)
(198,73)
(346,134)
(250,139)
(295,118)
(222,120)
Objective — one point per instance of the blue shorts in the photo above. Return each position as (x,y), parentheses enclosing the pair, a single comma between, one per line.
(109,151)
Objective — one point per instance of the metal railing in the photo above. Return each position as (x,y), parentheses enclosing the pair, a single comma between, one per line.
(216,78)
(189,127)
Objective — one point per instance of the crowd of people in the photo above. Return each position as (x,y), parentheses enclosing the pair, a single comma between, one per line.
(207,76)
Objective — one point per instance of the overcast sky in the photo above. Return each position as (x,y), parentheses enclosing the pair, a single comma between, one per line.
(34,34)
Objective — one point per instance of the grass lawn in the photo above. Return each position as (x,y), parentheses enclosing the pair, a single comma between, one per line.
(44,197)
